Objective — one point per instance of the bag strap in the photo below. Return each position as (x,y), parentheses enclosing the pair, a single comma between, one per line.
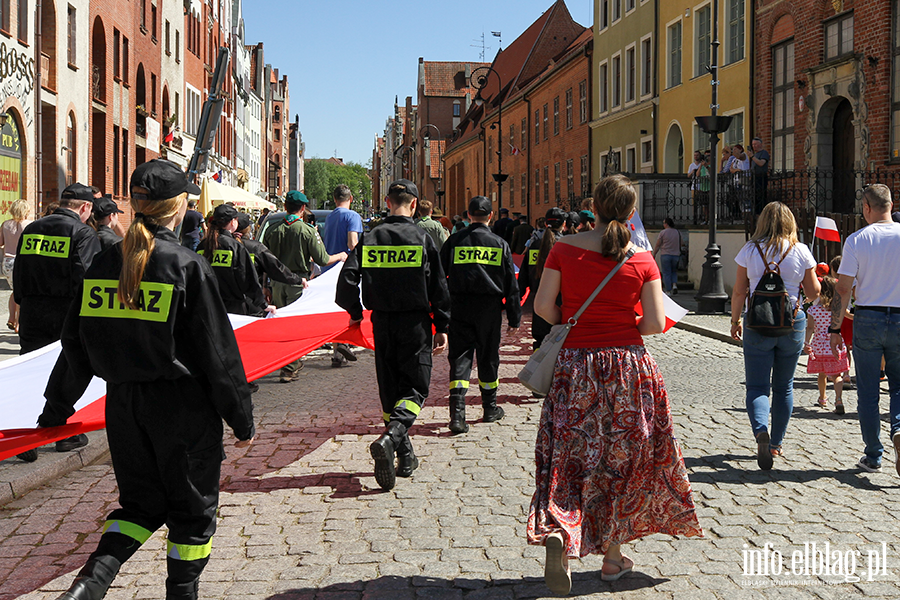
(573,320)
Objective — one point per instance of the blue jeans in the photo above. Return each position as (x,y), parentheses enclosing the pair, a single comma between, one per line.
(669,270)
(876,335)
(189,242)
(769,365)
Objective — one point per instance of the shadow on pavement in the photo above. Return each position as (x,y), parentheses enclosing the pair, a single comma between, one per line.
(727,473)
(403,588)
(345,485)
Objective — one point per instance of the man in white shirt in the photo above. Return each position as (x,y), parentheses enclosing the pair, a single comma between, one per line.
(870,257)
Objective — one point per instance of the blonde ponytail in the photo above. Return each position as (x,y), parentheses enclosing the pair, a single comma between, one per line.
(139,243)
(614,201)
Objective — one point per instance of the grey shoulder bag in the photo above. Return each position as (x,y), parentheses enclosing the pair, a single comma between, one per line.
(537,374)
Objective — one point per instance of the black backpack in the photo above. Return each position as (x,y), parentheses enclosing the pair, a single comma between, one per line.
(770,312)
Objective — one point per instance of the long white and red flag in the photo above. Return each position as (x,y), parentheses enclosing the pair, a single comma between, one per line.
(265,344)
(826,229)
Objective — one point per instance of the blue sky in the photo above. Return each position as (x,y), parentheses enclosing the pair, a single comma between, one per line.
(347,59)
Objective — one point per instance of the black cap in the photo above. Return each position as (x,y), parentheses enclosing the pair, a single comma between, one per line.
(243,221)
(504,210)
(224,213)
(403,186)
(162,178)
(555,216)
(479,206)
(103,207)
(78,191)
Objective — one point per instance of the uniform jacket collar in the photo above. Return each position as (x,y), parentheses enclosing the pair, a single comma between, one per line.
(398,219)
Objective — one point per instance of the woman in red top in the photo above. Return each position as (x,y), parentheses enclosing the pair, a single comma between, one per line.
(608,469)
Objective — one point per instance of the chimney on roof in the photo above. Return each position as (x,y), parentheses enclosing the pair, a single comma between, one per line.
(421,83)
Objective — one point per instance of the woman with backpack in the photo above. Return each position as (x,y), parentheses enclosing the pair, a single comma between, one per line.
(772,267)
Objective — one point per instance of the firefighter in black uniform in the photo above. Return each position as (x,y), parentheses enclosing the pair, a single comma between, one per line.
(480,274)
(53,254)
(149,319)
(533,266)
(106,213)
(264,262)
(404,285)
(238,282)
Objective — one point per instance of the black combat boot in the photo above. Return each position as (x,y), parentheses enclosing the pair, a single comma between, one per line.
(182,591)
(94,579)
(406,459)
(458,413)
(492,412)
(383,450)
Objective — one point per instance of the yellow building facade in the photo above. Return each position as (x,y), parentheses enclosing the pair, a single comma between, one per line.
(684,83)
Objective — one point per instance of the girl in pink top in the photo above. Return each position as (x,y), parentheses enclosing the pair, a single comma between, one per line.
(10,232)
(608,469)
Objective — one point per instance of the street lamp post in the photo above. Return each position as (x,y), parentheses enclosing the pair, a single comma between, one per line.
(439,190)
(479,80)
(711,295)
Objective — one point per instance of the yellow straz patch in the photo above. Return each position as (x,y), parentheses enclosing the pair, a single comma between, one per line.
(532,256)
(392,257)
(222,258)
(100,299)
(481,255)
(46,245)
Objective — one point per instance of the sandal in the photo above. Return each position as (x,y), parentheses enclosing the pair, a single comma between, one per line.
(623,568)
(10,325)
(822,402)
(775,450)
(838,408)
(557,575)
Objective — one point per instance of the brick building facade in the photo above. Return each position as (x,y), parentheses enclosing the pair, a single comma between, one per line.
(826,89)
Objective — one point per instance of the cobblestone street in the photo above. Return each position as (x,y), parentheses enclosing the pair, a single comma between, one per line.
(302,518)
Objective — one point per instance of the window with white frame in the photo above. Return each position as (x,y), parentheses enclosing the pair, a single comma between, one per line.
(646,66)
(734,51)
(616,10)
(702,38)
(603,85)
(604,14)
(839,36)
(783,106)
(673,73)
(630,74)
(616,77)
(735,133)
(646,151)
(582,101)
(630,159)
(629,6)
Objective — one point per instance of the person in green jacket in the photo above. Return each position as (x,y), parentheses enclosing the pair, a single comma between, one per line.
(433,228)
(296,243)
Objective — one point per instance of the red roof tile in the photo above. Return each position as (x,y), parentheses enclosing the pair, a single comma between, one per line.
(448,79)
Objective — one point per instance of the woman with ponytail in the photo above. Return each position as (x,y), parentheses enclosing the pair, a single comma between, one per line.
(232,265)
(149,320)
(608,469)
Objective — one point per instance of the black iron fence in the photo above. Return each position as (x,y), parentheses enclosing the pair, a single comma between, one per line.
(740,196)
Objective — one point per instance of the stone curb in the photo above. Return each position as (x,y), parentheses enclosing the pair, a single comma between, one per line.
(51,465)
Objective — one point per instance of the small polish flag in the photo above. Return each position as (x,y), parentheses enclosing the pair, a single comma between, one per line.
(169,137)
(674,312)
(514,151)
(826,229)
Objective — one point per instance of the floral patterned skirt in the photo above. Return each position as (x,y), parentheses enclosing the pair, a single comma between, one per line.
(608,469)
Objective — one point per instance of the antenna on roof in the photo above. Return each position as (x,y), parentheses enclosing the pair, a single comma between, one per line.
(484,48)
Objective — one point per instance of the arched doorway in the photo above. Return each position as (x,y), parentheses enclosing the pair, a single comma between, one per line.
(843,153)
(673,153)
(12,167)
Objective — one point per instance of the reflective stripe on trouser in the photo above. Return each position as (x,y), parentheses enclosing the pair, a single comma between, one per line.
(402,363)
(132,530)
(188,551)
(459,384)
(475,336)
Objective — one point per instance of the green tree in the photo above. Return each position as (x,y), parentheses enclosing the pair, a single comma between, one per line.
(322,176)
